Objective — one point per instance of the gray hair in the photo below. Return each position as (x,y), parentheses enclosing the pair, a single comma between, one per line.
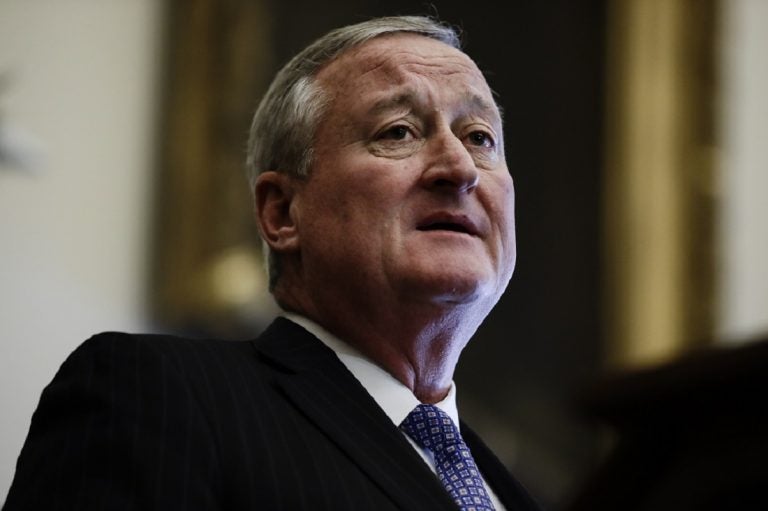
(285,122)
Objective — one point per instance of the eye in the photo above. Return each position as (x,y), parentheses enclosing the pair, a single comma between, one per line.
(397,132)
(481,139)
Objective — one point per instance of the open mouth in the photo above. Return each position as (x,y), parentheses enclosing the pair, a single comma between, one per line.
(448,223)
(445,226)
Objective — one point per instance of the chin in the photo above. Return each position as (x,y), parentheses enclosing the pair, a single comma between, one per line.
(456,289)
(447,280)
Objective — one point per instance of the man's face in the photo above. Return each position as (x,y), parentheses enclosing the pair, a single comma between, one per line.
(409,196)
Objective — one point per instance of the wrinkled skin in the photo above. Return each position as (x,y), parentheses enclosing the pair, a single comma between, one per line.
(402,238)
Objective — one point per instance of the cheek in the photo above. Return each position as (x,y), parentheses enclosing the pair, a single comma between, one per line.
(377,191)
(509,212)
(345,215)
(502,200)
(361,191)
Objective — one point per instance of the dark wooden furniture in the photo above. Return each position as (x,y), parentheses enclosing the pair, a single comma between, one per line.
(692,435)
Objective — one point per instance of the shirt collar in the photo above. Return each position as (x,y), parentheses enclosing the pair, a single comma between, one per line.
(390,394)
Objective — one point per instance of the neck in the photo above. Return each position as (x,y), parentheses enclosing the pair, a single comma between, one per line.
(423,357)
(418,345)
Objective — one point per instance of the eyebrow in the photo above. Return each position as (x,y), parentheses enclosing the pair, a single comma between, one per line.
(482,104)
(396,102)
(409,98)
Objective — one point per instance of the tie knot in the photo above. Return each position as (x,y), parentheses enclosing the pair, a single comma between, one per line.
(431,428)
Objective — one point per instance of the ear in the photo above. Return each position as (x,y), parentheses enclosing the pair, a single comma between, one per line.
(274,196)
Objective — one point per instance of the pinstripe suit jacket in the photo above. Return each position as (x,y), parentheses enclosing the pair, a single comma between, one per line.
(160,422)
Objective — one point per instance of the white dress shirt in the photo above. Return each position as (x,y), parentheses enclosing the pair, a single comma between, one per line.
(390,394)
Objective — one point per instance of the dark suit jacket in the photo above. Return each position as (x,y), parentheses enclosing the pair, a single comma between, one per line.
(160,422)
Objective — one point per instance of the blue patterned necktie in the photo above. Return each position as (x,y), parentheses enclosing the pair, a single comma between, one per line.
(432,429)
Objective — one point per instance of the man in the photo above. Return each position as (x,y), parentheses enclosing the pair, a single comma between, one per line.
(381,191)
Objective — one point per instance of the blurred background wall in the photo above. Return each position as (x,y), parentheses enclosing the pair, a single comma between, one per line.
(78,82)
(112,136)
(743,225)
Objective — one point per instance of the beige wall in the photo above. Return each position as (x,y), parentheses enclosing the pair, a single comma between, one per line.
(744,167)
(79,78)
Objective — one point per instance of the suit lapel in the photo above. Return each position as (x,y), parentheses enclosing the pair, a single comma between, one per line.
(318,384)
(511,493)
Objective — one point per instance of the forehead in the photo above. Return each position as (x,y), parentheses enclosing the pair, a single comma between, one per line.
(394,60)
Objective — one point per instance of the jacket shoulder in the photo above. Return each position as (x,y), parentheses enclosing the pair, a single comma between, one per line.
(123,412)
(180,353)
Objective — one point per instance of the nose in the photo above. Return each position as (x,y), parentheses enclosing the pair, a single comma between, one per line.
(450,166)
